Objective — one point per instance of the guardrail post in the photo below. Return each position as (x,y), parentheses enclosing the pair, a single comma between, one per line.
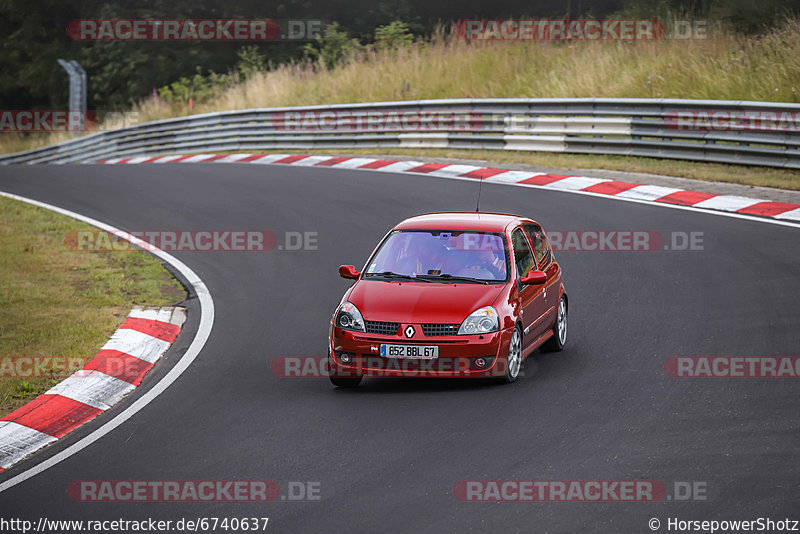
(77,90)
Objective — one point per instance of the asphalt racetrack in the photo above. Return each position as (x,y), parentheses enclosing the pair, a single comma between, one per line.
(388,455)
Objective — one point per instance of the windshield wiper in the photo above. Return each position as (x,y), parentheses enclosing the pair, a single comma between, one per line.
(396,276)
(450,278)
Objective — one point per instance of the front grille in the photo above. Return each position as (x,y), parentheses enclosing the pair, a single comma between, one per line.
(437,329)
(381,327)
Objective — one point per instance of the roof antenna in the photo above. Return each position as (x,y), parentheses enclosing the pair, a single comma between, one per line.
(478,204)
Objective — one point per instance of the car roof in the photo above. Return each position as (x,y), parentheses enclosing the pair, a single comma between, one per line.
(485,222)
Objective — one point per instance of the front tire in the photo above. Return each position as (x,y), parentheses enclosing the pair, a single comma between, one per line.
(559,338)
(514,359)
(340,382)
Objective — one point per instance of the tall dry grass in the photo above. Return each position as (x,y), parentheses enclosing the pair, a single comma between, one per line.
(763,68)
(724,67)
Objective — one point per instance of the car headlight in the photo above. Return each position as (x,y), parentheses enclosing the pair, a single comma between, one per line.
(349,318)
(481,321)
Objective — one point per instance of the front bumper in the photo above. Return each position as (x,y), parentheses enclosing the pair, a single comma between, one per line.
(458,355)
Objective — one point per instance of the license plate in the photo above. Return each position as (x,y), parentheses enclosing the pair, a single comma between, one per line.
(411,352)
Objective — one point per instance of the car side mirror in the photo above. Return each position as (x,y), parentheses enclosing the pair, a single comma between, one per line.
(534,278)
(349,272)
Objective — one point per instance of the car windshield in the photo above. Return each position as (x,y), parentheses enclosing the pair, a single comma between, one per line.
(441,255)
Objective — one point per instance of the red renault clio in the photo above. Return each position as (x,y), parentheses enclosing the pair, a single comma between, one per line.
(450,294)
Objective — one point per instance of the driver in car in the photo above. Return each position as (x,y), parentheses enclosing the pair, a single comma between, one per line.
(487,264)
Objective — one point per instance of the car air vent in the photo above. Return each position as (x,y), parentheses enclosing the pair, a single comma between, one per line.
(380,327)
(437,329)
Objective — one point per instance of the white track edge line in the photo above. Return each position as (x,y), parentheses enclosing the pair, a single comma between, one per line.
(200,338)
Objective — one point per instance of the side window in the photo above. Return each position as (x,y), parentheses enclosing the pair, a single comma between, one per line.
(541,248)
(523,257)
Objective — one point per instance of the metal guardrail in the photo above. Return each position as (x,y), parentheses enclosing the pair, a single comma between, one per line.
(766,134)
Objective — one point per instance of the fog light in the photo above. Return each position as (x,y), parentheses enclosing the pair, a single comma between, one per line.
(345,358)
(480,363)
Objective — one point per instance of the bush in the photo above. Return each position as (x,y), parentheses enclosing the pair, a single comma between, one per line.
(198,86)
(394,35)
(250,61)
(333,47)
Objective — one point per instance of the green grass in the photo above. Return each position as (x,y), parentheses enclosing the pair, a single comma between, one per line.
(762,68)
(59,302)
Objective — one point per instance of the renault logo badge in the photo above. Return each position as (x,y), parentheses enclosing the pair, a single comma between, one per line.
(409,331)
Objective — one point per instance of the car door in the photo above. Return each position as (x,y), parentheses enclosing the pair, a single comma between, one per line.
(545,262)
(532,304)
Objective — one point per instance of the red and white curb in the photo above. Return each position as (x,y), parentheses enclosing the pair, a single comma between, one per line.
(623,190)
(114,372)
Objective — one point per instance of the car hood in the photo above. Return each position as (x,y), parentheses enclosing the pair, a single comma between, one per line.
(420,302)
